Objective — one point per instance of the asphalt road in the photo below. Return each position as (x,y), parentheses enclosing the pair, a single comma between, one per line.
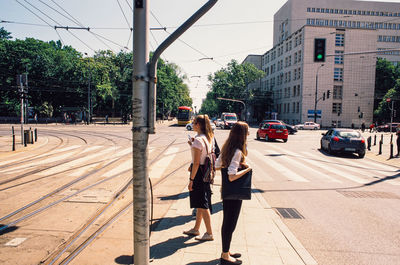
(348,207)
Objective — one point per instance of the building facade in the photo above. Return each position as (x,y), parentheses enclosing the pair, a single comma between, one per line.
(341,88)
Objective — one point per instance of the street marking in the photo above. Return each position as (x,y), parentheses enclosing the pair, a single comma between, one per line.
(282,169)
(158,168)
(15,242)
(258,171)
(335,169)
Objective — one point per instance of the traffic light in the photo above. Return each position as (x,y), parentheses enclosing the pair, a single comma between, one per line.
(328,93)
(319,50)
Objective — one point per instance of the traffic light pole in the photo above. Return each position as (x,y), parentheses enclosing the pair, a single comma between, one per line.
(143,118)
(316,94)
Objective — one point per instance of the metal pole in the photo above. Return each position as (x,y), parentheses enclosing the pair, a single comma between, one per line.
(316,93)
(89,107)
(391,116)
(140,133)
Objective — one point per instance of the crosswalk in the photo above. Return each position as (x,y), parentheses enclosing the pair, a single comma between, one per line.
(273,164)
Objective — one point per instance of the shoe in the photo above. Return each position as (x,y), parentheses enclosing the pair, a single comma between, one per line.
(192,232)
(227,262)
(205,237)
(235,255)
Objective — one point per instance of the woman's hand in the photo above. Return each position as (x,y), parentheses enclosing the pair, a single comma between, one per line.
(190,186)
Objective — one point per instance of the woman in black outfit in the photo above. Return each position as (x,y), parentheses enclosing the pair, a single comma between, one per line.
(232,157)
(200,191)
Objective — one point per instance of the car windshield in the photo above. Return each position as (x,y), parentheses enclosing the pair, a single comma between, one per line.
(349,134)
(278,127)
(230,118)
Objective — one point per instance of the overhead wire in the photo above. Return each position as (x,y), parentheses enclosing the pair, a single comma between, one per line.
(127,22)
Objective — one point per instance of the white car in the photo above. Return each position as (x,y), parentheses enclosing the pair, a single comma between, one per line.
(308,126)
(189,126)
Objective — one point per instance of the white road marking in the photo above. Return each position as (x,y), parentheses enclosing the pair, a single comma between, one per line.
(158,168)
(15,242)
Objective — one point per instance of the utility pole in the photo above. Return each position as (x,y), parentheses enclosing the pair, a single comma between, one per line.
(89,96)
(143,118)
(22,80)
(316,93)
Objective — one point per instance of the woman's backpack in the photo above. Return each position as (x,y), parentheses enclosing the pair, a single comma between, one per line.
(208,169)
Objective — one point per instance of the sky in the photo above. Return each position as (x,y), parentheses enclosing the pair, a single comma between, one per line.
(232,29)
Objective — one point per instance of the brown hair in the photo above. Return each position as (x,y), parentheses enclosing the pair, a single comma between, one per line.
(205,126)
(237,140)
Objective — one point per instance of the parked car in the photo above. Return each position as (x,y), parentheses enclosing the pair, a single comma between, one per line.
(291,129)
(272,130)
(218,123)
(343,140)
(189,126)
(308,126)
(386,127)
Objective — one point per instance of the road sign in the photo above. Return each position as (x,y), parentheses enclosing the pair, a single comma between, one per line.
(310,113)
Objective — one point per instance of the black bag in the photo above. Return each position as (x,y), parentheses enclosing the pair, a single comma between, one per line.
(239,189)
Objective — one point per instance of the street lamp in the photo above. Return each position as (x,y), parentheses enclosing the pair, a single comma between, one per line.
(236,100)
(316,93)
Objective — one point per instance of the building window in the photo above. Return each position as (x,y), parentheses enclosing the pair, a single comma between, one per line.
(299,56)
(338,74)
(338,57)
(297,107)
(339,41)
(336,107)
(337,92)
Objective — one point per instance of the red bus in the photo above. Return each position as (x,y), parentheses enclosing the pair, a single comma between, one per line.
(184,115)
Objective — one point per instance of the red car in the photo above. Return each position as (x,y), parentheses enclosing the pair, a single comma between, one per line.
(272,130)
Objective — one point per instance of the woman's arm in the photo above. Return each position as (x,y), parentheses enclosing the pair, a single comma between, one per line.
(235,164)
(239,174)
(195,167)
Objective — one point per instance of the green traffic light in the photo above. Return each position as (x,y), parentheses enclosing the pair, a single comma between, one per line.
(319,56)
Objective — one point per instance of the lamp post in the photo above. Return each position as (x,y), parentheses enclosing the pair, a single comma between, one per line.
(316,93)
(236,100)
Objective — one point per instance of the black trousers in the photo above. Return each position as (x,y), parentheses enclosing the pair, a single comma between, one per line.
(398,144)
(231,210)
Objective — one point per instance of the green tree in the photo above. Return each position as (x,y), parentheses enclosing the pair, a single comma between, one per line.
(383,111)
(230,82)
(4,34)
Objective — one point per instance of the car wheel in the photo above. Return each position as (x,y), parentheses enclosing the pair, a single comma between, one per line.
(315,128)
(329,149)
(266,138)
(258,137)
(361,154)
(284,140)
(188,128)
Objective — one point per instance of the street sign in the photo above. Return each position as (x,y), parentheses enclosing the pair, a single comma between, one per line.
(310,113)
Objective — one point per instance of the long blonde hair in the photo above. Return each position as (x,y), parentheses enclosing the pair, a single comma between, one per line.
(205,126)
(237,140)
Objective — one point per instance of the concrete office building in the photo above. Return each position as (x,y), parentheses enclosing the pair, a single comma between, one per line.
(348,27)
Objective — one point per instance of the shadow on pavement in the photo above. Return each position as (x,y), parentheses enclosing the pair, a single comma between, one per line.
(175,196)
(4,229)
(124,259)
(169,247)
(211,262)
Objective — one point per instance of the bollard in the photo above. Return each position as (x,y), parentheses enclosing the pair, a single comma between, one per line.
(31,137)
(35,134)
(13,138)
(391,150)
(369,143)
(380,148)
(25,138)
(382,138)
(375,140)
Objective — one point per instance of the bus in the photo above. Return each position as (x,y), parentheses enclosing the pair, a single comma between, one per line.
(184,115)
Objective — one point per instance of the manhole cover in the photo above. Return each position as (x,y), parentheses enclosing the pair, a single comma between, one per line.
(289,213)
(369,194)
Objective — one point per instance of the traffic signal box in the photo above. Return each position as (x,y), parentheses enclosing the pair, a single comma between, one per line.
(319,50)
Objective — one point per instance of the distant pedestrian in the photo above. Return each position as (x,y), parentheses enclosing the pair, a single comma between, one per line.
(398,139)
(232,157)
(371,127)
(35,117)
(106,118)
(199,190)
(363,127)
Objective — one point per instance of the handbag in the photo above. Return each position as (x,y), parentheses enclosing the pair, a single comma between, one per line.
(239,189)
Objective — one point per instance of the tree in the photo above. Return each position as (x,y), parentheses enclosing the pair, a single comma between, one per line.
(383,111)
(230,82)
(4,34)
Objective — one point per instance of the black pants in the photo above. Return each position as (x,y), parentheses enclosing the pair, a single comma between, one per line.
(398,145)
(231,209)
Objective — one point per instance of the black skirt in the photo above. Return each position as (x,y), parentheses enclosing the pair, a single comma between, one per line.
(200,196)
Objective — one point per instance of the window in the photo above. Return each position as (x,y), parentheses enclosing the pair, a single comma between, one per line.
(337,92)
(338,74)
(297,107)
(338,57)
(336,107)
(339,40)
(299,56)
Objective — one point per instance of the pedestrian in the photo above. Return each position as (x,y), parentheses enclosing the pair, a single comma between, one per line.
(363,127)
(371,127)
(199,190)
(398,139)
(232,156)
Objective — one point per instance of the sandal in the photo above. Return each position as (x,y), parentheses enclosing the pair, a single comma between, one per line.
(192,232)
(205,237)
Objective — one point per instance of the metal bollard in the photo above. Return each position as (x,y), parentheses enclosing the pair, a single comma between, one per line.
(380,147)
(375,140)
(382,138)
(31,137)
(25,138)
(369,143)
(35,134)
(391,150)
(13,137)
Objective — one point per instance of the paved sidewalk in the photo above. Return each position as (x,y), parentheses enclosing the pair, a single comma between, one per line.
(261,237)
(385,156)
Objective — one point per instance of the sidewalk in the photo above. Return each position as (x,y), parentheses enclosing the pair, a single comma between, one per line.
(260,236)
(385,156)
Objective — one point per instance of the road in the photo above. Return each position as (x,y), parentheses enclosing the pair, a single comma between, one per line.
(349,211)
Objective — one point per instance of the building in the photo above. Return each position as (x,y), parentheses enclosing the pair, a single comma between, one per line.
(341,88)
